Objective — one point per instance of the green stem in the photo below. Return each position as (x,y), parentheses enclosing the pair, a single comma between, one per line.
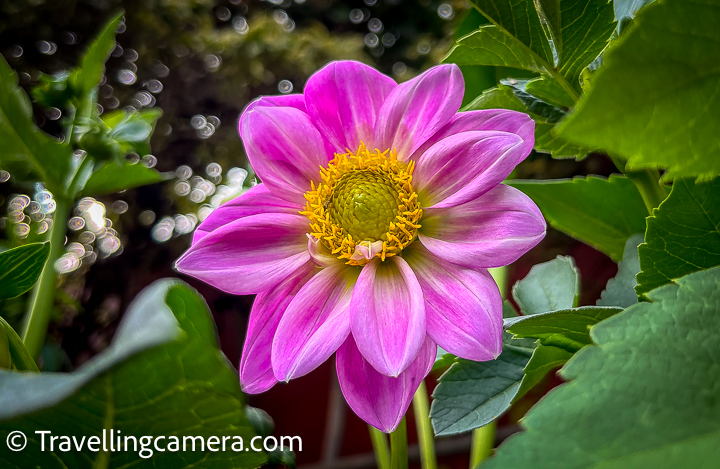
(647,181)
(398,447)
(43,296)
(381,448)
(483,440)
(421,408)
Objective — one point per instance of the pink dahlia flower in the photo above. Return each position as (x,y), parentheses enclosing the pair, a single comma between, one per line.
(380,209)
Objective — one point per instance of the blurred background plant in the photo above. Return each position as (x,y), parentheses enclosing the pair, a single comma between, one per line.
(201,62)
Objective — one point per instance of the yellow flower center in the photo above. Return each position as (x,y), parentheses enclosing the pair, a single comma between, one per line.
(365,206)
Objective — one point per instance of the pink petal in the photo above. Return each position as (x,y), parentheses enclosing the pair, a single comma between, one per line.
(284,100)
(343,100)
(418,108)
(256,374)
(249,255)
(387,315)
(256,200)
(491,231)
(380,400)
(463,306)
(315,324)
(464,166)
(284,148)
(488,119)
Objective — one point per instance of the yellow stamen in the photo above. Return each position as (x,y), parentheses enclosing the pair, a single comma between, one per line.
(364,197)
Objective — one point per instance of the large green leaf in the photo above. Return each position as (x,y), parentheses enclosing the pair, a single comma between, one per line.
(683,235)
(586,27)
(163,375)
(567,35)
(472,394)
(620,290)
(490,45)
(519,19)
(644,397)
(20,268)
(601,212)
(549,286)
(568,329)
(26,152)
(654,102)
(113,178)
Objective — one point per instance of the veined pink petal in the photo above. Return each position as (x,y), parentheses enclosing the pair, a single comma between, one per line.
(284,100)
(463,306)
(284,148)
(256,374)
(315,323)
(380,400)
(343,100)
(464,166)
(491,231)
(418,108)
(488,119)
(387,315)
(249,255)
(256,200)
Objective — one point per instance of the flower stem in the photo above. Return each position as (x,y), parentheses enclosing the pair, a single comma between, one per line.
(483,440)
(43,296)
(421,408)
(398,447)
(647,182)
(380,447)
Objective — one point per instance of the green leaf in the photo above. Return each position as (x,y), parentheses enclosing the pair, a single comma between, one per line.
(533,104)
(18,354)
(644,397)
(567,35)
(472,394)
(549,286)
(544,359)
(683,235)
(27,153)
(568,329)
(504,98)
(654,101)
(491,46)
(163,375)
(519,19)
(549,90)
(20,268)
(113,178)
(620,290)
(443,359)
(601,212)
(547,142)
(92,65)
(587,26)
(5,359)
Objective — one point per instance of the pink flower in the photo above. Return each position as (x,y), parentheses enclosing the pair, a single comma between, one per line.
(380,209)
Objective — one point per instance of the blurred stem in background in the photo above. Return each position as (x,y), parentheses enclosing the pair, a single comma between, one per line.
(381,448)
(43,296)
(421,408)
(483,438)
(398,447)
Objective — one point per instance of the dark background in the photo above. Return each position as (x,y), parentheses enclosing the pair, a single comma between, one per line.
(211,59)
